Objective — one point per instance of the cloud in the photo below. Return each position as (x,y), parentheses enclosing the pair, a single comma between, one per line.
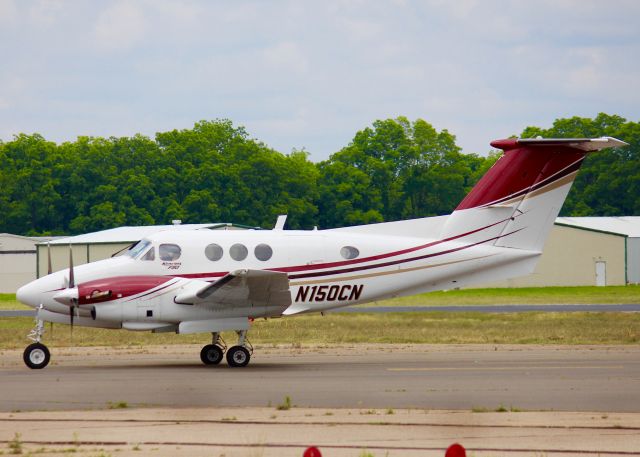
(310,73)
(121,26)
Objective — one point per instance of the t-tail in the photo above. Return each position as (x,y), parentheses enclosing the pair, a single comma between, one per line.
(516,202)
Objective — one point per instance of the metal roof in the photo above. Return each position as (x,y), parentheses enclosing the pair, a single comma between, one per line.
(128,234)
(623,225)
(31,238)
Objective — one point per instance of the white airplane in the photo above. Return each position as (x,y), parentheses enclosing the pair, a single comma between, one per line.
(205,281)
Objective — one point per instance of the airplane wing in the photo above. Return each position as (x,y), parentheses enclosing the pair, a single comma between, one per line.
(242,288)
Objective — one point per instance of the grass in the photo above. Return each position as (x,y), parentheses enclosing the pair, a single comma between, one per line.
(434,327)
(522,296)
(285,405)
(117,405)
(15,445)
(8,301)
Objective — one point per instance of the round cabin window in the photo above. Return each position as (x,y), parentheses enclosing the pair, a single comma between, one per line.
(238,252)
(213,252)
(349,252)
(263,252)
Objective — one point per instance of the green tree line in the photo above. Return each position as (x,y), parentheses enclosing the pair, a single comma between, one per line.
(214,172)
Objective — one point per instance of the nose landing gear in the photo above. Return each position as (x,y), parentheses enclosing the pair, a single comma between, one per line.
(36,355)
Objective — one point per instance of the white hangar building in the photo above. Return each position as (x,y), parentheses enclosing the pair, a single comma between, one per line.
(17,260)
(580,251)
(587,251)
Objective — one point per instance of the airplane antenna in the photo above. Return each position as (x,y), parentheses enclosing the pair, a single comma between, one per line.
(280,222)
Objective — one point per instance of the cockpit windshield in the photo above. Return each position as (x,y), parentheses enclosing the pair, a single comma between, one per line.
(138,248)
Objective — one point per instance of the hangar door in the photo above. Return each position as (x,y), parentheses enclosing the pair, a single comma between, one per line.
(601,273)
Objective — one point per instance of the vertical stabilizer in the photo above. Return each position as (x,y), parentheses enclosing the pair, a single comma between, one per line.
(516,202)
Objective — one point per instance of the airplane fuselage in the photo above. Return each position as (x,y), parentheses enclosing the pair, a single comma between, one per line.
(326,270)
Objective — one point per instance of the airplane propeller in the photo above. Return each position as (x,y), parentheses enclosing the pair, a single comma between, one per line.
(72,284)
(49,271)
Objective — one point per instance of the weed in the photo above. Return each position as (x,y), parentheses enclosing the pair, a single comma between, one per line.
(366,453)
(390,411)
(117,405)
(479,409)
(15,445)
(229,419)
(285,405)
(328,413)
(501,409)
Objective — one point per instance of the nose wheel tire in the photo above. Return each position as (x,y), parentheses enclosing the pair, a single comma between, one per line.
(238,356)
(211,354)
(36,356)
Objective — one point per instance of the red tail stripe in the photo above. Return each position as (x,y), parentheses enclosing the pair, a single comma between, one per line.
(518,170)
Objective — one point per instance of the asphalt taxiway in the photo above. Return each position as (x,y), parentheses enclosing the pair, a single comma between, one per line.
(559,378)
(393,400)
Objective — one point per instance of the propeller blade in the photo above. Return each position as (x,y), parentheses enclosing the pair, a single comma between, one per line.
(72,282)
(71,310)
(72,285)
(49,269)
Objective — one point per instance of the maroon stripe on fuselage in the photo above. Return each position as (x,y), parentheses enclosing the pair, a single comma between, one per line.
(155,290)
(400,261)
(120,287)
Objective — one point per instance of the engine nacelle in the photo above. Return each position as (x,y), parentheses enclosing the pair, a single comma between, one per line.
(111,312)
(111,289)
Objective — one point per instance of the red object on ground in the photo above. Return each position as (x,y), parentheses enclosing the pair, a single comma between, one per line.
(312,452)
(455,450)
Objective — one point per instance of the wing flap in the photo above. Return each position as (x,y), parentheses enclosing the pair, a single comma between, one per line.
(242,288)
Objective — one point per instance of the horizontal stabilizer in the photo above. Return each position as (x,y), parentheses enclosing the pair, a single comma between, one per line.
(583,144)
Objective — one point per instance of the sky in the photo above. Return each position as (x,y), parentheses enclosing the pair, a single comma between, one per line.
(310,74)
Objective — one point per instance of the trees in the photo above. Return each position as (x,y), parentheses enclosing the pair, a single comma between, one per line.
(609,182)
(214,172)
(396,170)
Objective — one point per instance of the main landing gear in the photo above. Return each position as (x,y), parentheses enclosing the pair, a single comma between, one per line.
(36,355)
(237,356)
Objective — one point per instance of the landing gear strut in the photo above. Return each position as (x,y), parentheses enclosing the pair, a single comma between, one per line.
(212,354)
(36,355)
(239,355)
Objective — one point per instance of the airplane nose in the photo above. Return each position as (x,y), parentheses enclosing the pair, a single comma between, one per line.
(26,294)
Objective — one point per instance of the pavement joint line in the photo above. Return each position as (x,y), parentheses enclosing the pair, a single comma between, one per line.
(324,446)
(585,367)
(328,423)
